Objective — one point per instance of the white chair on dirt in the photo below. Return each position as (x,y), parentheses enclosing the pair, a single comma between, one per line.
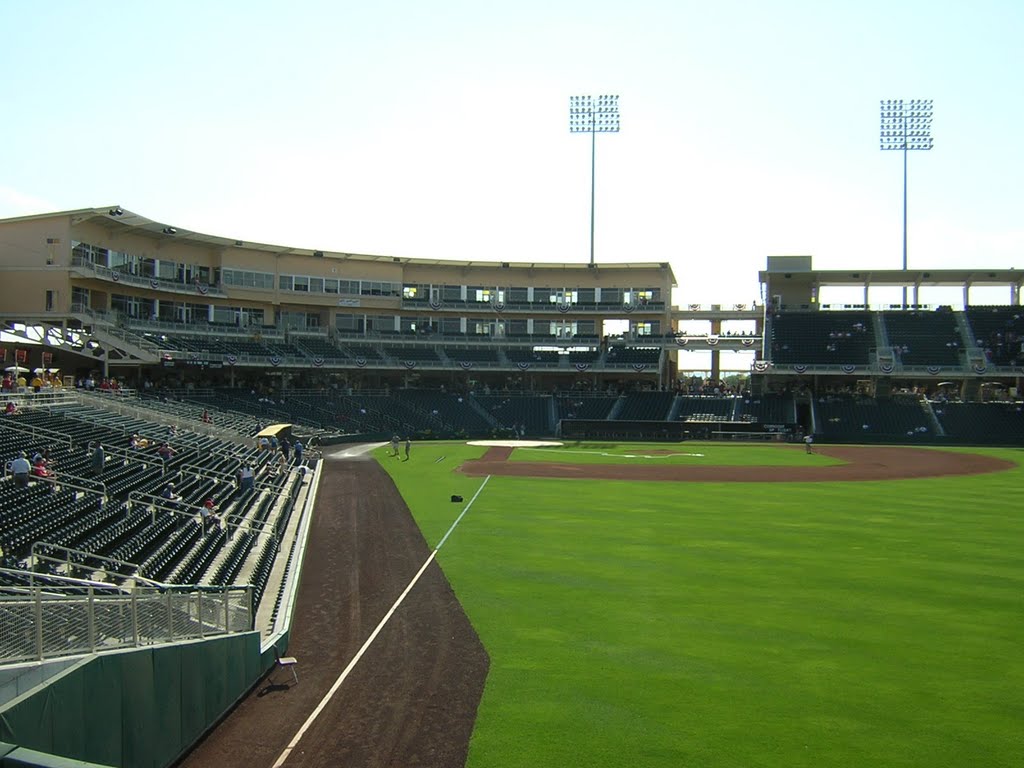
(288,662)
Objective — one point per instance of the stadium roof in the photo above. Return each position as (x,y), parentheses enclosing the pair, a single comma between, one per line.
(800,267)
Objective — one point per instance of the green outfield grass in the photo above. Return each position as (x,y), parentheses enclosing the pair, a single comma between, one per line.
(846,624)
(693,454)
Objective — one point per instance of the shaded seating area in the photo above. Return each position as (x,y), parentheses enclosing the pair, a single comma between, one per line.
(579,406)
(512,411)
(982,423)
(853,418)
(924,338)
(648,356)
(821,338)
(646,406)
(999,331)
(769,408)
(698,408)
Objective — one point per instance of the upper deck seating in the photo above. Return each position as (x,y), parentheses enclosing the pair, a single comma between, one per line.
(999,331)
(822,338)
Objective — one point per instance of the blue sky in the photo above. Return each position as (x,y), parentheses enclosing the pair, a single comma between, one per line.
(441,129)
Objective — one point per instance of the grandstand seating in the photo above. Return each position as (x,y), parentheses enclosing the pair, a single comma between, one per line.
(649,356)
(698,408)
(768,408)
(532,412)
(848,418)
(577,406)
(646,406)
(924,338)
(103,523)
(982,423)
(822,338)
(999,331)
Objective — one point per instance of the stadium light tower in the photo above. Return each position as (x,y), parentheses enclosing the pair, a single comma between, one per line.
(593,115)
(906,126)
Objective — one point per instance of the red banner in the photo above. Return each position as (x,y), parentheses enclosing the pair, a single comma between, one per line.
(47,359)
(20,356)
(3,355)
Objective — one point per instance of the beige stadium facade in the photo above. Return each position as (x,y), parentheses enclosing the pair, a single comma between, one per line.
(108,288)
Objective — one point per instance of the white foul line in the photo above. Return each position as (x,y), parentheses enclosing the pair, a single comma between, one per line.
(373,636)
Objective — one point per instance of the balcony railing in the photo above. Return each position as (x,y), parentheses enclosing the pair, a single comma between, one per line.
(152,283)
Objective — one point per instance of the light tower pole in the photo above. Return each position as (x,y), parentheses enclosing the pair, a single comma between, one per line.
(593,115)
(906,126)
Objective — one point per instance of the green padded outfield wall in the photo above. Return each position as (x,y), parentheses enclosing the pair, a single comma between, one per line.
(139,708)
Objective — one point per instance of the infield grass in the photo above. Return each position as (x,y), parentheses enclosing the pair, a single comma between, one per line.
(737,624)
(692,454)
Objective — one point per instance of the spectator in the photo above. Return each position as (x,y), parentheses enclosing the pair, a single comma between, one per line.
(165,451)
(169,496)
(206,416)
(99,460)
(285,449)
(298,450)
(39,469)
(246,477)
(408,446)
(208,514)
(20,469)
(37,383)
(11,408)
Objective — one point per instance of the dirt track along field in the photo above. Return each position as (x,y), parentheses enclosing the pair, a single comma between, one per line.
(412,698)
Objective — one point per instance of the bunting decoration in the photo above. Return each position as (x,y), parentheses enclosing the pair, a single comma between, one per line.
(739,306)
(747,342)
(360,362)
(694,307)
(639,367)
(275,361)
(581,367)
(800,368)
(154,284)
(497,306)
(230,359)
(522,366)
(979,369)
(20,356)
(318,362)
(115,277)
(682,341)
(629,307)
(410,364)
(761,365)
(933,370)
(563,307)
(712,341)
(886,367)
(47,359)
(848,368)
(435,304)
(193,356)
(465,365)
(202,288)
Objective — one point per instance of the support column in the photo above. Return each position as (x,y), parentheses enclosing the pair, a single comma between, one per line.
(716,362)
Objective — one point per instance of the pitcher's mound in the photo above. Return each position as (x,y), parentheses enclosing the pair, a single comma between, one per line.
(515,443)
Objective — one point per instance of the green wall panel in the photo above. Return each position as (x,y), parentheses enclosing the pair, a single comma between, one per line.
(138,709)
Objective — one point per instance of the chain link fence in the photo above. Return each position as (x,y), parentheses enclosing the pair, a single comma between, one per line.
(39,623)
